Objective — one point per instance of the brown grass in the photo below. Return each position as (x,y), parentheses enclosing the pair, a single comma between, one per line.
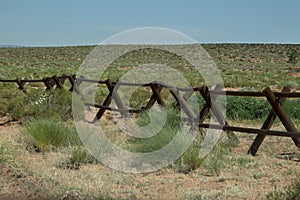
(30,175)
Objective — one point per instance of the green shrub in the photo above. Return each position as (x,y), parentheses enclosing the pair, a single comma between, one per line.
(160,139)
(11,101)
(80,156)
(187,162)
(38,104)
(53,104)
(292,84)
(190,160)
(251,108)
(291,192)
(246,108)
(292,108)
(213,162)
(293,56)
(48,135)
(15,108)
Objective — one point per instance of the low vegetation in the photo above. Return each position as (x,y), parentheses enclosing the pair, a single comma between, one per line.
(290,193)
(252,65)
(47,121)
(47,135)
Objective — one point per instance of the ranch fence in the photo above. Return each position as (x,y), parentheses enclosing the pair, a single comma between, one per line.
(210,95)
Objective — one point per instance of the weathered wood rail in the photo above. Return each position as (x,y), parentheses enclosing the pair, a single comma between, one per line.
(275,99)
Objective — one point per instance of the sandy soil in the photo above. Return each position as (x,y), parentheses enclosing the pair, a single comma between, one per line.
(36,175)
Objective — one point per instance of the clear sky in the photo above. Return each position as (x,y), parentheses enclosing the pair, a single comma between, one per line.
(74,22)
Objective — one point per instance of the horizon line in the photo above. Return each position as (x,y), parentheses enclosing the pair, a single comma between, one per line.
(82,45)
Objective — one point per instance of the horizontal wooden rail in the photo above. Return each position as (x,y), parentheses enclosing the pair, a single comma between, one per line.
(210,95)
(250,130)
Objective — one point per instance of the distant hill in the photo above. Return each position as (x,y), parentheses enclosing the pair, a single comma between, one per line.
(241,65)
(9,46)
(226,56)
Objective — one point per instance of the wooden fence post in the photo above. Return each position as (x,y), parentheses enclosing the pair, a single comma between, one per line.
(155,97)
(190,114)
(49,82)
(20,84)
(284,118)
(57,82)
(106,102)
(111,96)
(267,125)
(210,103)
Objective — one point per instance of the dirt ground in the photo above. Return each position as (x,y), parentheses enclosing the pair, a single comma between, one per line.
(37,175)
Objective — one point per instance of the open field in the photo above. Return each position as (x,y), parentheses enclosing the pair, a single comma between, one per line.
(42,158)
(241,65)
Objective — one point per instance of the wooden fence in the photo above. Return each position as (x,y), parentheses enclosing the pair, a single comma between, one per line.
(275,99)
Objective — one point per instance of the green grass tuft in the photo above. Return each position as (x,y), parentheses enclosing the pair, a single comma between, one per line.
(49,135)
(159,140)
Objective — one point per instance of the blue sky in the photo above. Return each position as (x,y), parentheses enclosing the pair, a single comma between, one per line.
(73,22)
